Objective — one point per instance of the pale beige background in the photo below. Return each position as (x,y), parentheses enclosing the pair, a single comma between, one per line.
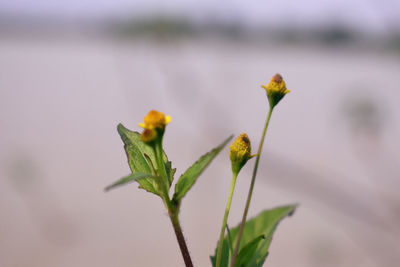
(62,97)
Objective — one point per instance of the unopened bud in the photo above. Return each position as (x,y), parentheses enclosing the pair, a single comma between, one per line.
(240,152)
(276,90)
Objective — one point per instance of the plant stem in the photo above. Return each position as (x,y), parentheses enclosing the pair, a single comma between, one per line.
(181,239)
(253,179)
(223,227)
(173,210)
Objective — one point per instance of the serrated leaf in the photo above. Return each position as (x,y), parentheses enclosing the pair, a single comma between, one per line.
(264,224)
(187,180)
(128,179)
(169,170)
(141,159)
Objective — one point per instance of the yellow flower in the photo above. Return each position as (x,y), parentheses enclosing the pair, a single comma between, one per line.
(276,89)
(154,126)
(240,152)
(155,120)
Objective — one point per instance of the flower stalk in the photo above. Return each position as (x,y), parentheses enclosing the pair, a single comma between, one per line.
(173,210)
(225,220)
(275,90)
(239,154)
(250,194)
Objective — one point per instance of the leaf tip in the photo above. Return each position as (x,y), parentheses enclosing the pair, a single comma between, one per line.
(120,127)
(295,206)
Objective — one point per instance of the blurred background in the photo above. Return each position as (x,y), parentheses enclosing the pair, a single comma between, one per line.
(70,71)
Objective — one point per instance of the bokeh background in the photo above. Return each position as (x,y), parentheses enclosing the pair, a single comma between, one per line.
(70,71)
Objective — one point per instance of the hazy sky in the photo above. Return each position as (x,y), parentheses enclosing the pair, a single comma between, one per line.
(362,14)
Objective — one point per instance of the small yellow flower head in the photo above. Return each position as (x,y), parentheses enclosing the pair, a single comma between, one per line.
(154,126)
(155,120)
(240,152)
(276,90)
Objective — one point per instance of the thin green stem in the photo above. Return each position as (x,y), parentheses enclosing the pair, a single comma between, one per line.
(162,175)
(223,227)
(173,210)
(253,179)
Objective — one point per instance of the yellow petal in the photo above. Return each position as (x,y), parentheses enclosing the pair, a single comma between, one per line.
(167,119)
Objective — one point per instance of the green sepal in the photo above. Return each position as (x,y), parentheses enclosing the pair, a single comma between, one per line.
(187,180)
(141,158)
(274,98)
(264,224)
(128,179)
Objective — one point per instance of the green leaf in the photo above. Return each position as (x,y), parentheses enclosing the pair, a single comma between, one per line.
(169,170)
(141,159)
(229,238)
(264,224)
(128,179)
(187,180)
(224,255)
(247,253)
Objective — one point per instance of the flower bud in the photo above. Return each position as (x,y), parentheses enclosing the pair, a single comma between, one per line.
(240,152)
(276,90)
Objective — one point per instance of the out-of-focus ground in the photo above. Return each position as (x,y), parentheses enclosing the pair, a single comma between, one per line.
(332,147)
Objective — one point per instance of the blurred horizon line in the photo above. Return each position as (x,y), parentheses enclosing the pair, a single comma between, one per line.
(167,26)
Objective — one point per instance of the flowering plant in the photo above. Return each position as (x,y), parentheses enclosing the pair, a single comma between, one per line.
(244,245)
